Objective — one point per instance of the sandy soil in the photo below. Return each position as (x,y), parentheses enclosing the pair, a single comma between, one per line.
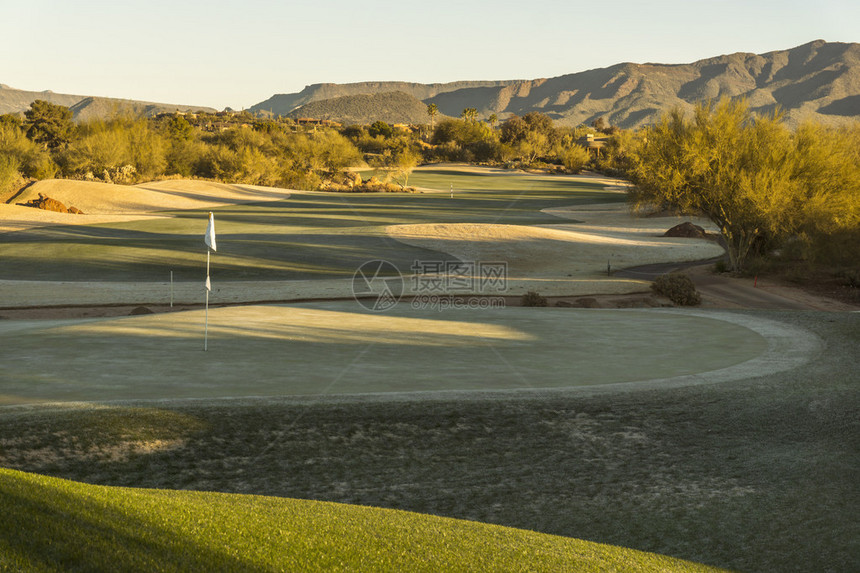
(105,203)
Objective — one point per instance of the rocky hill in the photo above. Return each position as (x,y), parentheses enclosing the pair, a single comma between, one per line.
(283,104)
(86,107)
(818,80)
(391,107)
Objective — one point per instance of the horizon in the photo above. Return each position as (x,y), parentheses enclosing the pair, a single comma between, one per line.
(130,52)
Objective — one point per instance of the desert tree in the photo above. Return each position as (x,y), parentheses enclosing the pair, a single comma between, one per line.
(432,111)
(48,123)
(726,164)
(513,129)
(469,115)
(380,128)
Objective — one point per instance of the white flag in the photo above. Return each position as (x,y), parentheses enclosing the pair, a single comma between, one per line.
(208,284)
(210,233)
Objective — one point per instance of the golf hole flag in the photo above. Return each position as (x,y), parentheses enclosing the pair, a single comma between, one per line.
(210,242)
(210,233)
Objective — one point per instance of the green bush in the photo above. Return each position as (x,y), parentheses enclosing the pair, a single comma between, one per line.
(678,288)
(533,298)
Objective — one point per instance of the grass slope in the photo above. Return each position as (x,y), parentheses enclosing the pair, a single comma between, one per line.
(49,524)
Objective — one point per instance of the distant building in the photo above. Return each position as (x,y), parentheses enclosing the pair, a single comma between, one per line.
(591,144)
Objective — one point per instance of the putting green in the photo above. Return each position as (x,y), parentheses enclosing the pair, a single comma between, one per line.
(339,348)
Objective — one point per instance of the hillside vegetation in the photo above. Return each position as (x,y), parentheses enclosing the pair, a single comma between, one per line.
(390,107)
(49,524)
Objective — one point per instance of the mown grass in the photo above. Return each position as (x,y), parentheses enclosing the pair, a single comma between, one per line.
(756,475)
(303,237)
(49,524)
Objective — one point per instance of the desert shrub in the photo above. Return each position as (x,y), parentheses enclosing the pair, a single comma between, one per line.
(851,277)
(294,179)
(31,159)
(574,157)
(112,146)
(10,177)
(533,298)
(380,128)
(184,157)
(678,288)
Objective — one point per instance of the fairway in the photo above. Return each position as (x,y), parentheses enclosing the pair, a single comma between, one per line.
(557,234)
(339,348)
(304,236)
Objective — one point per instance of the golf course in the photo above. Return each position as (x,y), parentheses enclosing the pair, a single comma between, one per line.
(450,428)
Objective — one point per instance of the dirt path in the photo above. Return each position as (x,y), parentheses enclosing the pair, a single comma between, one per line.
(725,291)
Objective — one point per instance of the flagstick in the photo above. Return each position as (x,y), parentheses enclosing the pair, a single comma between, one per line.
(206,323)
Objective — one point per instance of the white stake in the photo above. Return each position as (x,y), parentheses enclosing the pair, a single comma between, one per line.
(171,289)
(206,322)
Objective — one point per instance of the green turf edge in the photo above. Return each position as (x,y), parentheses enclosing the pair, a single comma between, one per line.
(51,524)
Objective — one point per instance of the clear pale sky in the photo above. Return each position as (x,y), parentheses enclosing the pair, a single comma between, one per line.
(218,53)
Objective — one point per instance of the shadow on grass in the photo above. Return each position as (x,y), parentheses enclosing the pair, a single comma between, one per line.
(44,526)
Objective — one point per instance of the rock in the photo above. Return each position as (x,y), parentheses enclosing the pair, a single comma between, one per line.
(46,203)
(564,303)
(587,302)
(140,310)
(687,230)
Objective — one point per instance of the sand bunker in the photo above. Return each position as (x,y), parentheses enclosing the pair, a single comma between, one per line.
(105,203)
(608,235)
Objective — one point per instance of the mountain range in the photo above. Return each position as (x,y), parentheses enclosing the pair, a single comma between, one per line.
(87,107)
(818,81)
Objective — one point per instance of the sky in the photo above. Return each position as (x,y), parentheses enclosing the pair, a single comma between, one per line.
(219,53)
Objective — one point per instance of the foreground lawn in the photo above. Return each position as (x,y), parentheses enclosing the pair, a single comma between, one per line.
(50,524)
(757,475)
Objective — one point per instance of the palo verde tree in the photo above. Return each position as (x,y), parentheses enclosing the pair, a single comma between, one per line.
(759,182)
(704,166)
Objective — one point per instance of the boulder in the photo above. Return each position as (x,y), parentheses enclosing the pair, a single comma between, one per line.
(687,230)
(141,310)
(46,203)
